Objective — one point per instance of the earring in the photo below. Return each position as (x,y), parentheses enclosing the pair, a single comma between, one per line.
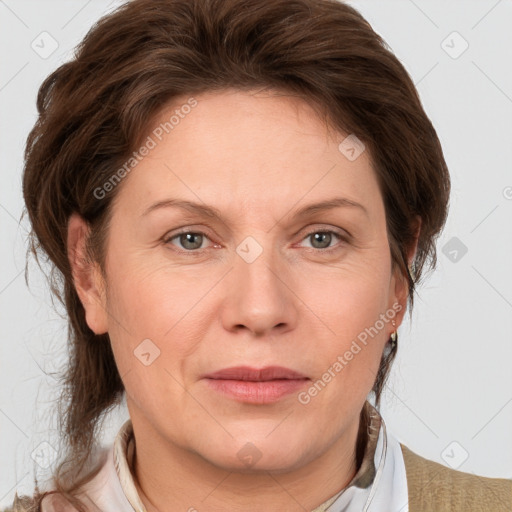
(394,335)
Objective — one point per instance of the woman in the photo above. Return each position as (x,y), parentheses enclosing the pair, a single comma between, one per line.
(239,199)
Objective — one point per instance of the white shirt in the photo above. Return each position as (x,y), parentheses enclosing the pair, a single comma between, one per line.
(380,484)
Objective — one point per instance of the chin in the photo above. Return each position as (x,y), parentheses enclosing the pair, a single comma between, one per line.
(256,454)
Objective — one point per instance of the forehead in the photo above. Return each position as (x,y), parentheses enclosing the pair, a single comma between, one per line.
(263,148)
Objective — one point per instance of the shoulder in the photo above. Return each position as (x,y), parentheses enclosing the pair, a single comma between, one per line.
(50,500)
(434,487)
(22,504)
(47,502)
(55,502)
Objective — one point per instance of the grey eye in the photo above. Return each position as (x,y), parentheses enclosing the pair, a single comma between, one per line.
(190,241)
(320,239)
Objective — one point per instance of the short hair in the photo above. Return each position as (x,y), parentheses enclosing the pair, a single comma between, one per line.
(95,109)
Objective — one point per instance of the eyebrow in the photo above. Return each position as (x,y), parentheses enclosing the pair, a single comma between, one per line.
(214,213)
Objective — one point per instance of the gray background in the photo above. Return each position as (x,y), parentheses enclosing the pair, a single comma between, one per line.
(450,394)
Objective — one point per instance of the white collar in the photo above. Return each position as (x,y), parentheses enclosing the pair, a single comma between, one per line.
(388,490)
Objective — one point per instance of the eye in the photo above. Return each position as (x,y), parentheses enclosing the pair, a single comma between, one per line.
(321,239)
(188,240)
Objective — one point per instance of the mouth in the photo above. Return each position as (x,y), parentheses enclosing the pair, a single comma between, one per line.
(256,386)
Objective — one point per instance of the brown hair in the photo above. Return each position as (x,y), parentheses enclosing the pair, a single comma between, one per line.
(95,109)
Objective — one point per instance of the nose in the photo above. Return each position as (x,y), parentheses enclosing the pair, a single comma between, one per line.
(259,296)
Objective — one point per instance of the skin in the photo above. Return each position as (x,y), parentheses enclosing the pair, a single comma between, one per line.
(257,158)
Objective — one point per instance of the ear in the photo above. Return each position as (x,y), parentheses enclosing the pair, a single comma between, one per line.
(401,285)
(87,278)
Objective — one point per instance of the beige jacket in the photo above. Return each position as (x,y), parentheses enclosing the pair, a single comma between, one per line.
(436,488)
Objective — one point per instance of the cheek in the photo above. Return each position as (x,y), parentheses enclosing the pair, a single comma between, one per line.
(154,330)
(157,303)
(348,297)
(140,292)
(352,322)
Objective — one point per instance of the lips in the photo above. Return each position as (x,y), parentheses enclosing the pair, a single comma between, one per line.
(256,375)
(256,386)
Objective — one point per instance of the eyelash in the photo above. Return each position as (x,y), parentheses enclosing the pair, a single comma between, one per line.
(198,252)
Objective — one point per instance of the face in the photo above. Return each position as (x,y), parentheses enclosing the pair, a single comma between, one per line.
(217,259)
